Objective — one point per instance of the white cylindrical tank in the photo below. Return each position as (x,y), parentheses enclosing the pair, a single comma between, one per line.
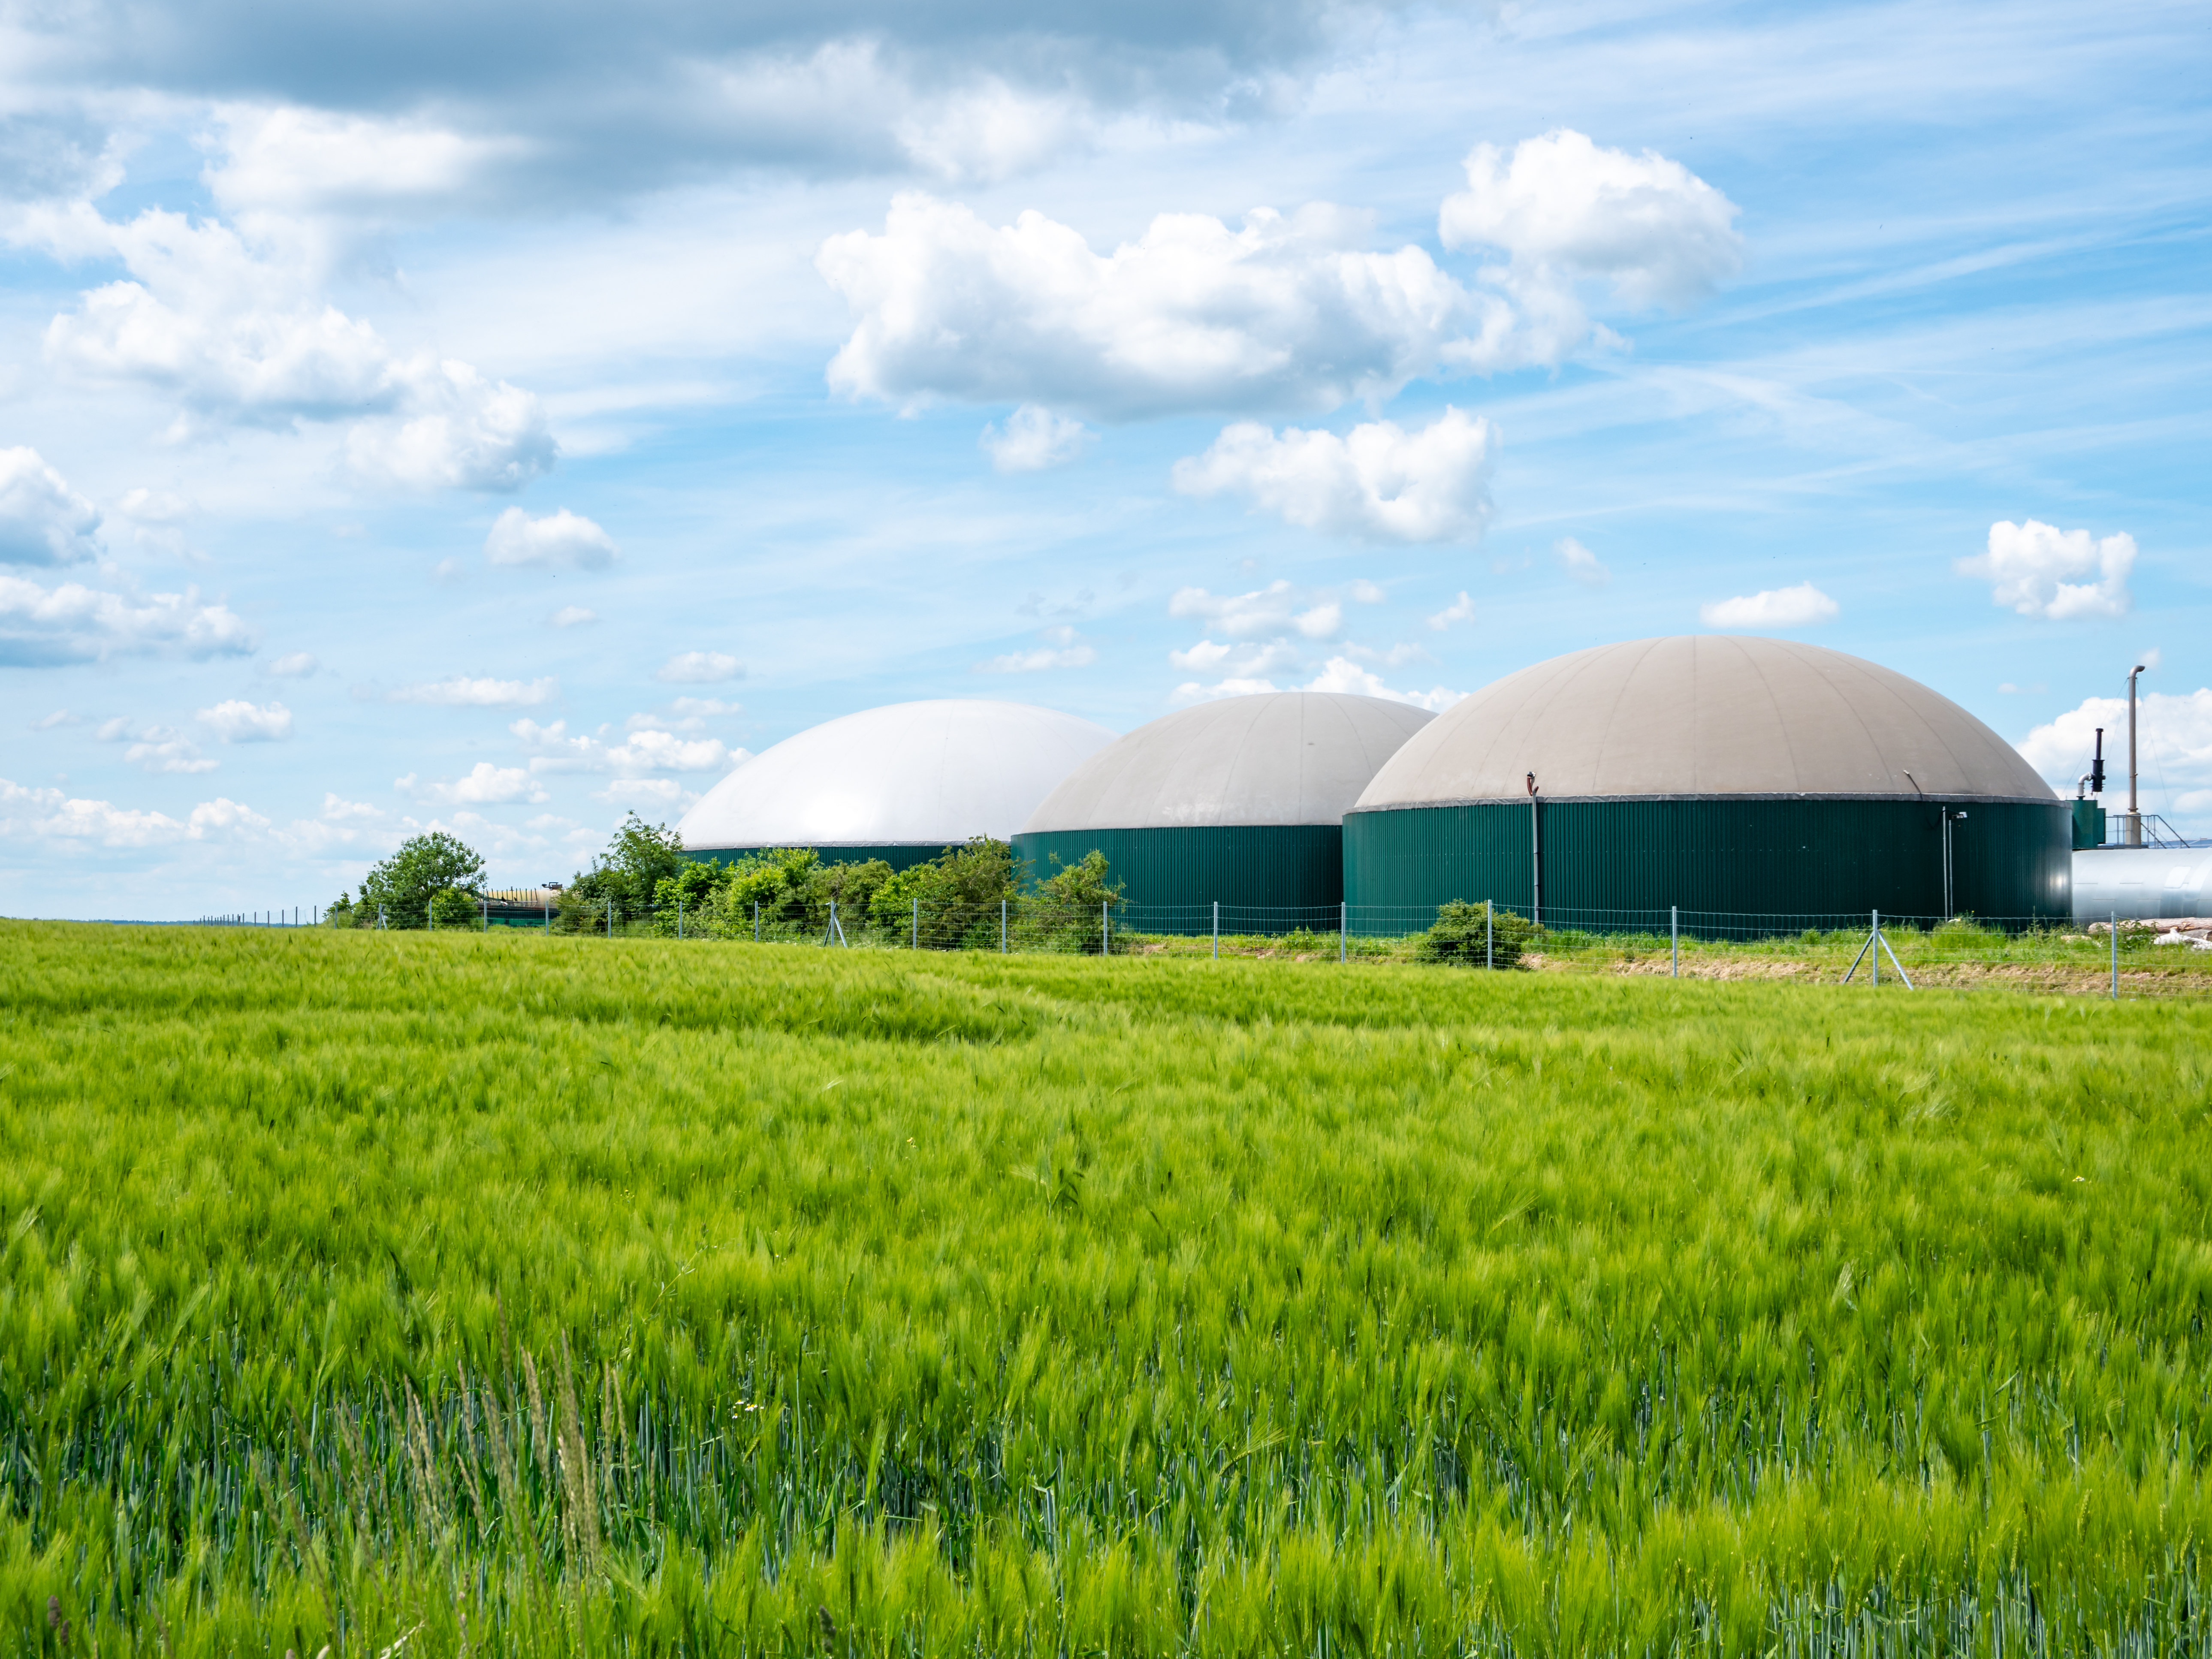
(914,775)
(2142,883)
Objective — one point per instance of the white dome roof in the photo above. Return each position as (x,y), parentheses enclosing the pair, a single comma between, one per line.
(1277,757)
(934,773)
(1704,714)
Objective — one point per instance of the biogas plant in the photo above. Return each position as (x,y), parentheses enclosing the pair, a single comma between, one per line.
(1697,774)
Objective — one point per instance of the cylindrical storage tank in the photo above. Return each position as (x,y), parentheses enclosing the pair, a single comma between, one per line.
(2143,883)
(1239,802)
(1744,778)
(901,782)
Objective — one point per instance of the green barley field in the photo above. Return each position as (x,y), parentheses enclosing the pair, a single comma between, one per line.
(395,1293)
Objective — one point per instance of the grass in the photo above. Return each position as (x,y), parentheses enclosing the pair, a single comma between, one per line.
(508,1294)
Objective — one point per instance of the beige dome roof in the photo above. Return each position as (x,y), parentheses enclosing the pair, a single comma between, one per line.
(1704,714)
(1274,757)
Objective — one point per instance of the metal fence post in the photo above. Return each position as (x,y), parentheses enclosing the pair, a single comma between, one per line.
(430,914)
(2116,956)
(1874,938)
(1217,930)
(1002,927)
(1675,935)
(679,915)
(610,916)
(756,921)
(1105,930)
(1490,934)
(916,944)
(1343,930)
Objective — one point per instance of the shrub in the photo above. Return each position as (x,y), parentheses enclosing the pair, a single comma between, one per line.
(1068,910)
(961,890)
(452,908)
(1473,935)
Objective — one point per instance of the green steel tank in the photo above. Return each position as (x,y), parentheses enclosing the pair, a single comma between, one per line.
(1728,777)
(1239,802)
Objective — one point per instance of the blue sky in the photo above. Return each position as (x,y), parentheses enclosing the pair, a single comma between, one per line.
(502,418)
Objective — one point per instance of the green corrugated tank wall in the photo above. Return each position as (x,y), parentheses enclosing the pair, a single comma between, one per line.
(899,855)
(1740,855)
(1241,865)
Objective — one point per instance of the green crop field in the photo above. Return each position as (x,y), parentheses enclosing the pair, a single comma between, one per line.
(441,1293)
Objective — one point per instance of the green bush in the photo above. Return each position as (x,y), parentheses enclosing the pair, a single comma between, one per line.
(1473,935)
(961,892)
(1068,910)
(452,908)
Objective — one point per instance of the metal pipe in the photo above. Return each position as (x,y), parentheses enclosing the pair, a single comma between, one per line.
(1674,931)
(2135,807)
(1217,930)
(2116,956)
(1343,929)
(1105,930)
(1535,857)
(1489,934)
(1875,937)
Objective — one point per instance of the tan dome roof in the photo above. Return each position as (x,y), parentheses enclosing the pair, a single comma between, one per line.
(1274,757)
(1704,714)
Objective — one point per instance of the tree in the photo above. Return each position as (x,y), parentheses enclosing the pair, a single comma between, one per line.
(637,860)
(404,885)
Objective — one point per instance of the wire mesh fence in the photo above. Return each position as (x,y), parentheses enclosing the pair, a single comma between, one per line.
(2170,956)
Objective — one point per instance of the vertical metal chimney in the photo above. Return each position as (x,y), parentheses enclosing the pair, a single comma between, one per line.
(2135,806)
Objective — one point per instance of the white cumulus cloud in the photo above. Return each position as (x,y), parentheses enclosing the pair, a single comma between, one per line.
(240,722)
(700,668)
(1459,611)
(1239,662)
(1584,566)
(1342,674)
(1378,482)
(235,334)
(46,815)
(1777,607)
(295,665)
(460,691)
(2027,565)
(1065,650)
(1275,608)
(561,540)
(71,623)
(1034,440)
(572,616)
(42,520)
(643,750)
(1565,211)
(154,507)
(482,784)
(160,749)
(1283,312)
